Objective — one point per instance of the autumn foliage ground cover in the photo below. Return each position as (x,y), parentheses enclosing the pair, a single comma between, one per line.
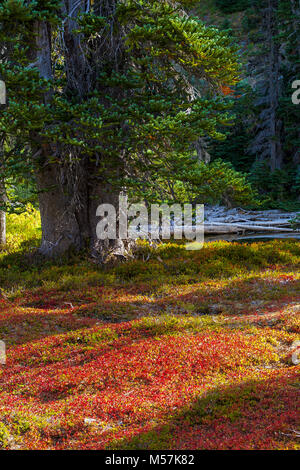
(173,350)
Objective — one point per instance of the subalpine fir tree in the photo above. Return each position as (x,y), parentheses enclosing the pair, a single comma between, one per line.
(289,18)
(103,93)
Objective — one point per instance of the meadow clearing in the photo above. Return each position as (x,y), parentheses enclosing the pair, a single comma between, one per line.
(172,350)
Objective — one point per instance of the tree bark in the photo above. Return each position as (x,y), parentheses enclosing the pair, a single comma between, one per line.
(295,7)
(3,200)
(276,153)
(69,218)
(60,227)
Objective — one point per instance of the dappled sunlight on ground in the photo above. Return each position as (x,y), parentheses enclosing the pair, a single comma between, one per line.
(179,352)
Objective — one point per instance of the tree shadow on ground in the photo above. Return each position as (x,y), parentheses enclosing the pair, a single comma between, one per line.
(259,413)
(21,322)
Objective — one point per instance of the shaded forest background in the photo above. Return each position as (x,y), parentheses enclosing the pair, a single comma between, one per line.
(265,139)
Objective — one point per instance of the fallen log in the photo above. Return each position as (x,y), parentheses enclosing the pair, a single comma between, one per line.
(249,222)
(235,228)
(231,228)
(222,221)
(220,229)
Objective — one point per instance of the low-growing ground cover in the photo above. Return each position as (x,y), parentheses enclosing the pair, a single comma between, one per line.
(173,350)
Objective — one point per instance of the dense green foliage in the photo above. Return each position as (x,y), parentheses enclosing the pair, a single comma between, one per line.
(165,82)
(232,6)
(214,183)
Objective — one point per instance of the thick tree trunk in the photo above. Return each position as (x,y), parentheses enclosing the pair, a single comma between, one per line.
(69,215)
(3,200)
(60,226)
(103,193)
(68,193)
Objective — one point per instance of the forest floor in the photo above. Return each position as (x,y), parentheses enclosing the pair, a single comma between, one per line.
(187,350)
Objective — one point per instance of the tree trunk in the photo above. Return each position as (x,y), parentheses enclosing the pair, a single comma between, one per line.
(60,227)
(103,250)
(68,193)
(3,200)
(69,215)
(201,149)
(276,153)
(295,7)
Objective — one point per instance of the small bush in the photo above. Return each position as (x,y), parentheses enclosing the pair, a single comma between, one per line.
(4,436)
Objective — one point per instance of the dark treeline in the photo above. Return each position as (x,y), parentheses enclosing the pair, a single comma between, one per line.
(265,140)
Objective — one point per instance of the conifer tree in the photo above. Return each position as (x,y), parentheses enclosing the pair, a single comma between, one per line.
(105,94)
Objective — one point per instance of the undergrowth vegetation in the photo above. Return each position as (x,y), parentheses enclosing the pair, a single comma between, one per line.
(175,349)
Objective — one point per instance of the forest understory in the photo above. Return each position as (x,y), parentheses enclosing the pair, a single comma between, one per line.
(108,343)
(187,350)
